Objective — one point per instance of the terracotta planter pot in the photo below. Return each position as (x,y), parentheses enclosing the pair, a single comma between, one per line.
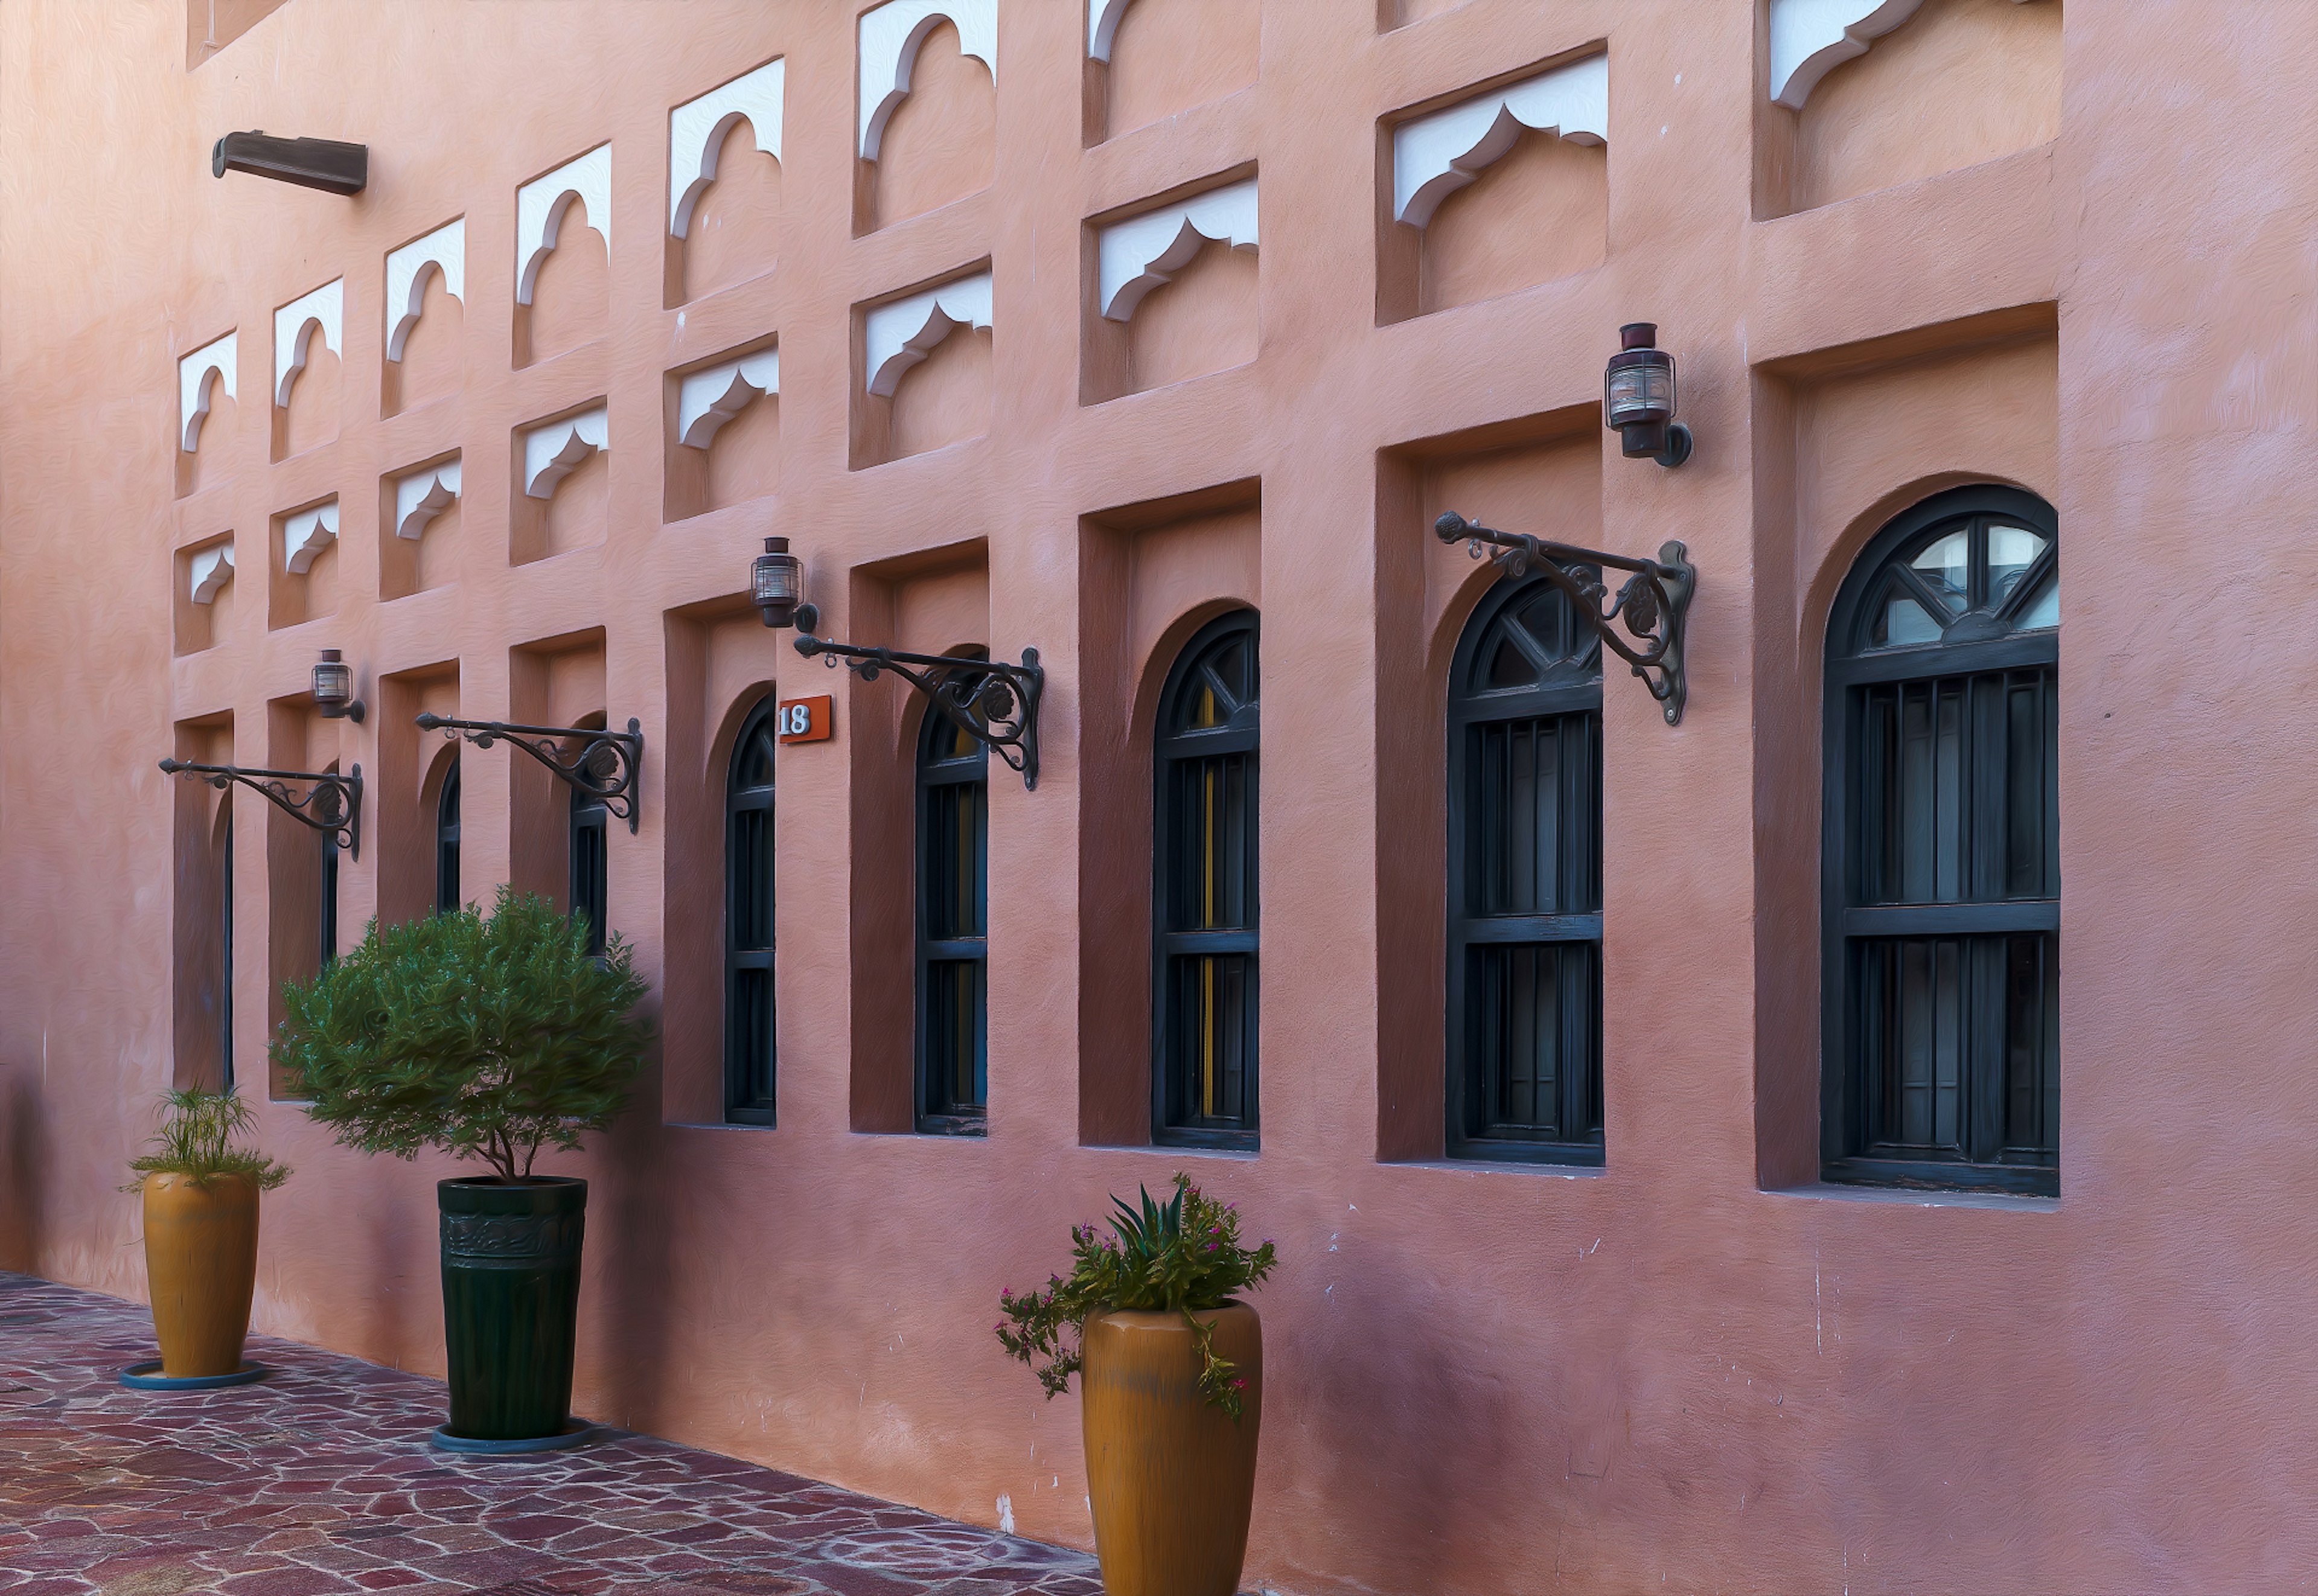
(511,1301)
(201,1262)
(1172,1479)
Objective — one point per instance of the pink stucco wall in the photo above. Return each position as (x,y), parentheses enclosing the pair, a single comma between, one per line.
(2064,251)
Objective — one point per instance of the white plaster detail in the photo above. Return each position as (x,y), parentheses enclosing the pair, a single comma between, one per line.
(898,336)
(295,324)
(553,452)
(1102,26)
(890,36)
(1811,38)
(212,568)
(1143,252)
(1435,156)
(194,389)
(444,250)
(541,204)
(422,495)
(306,534)
(706,401)
(696,130)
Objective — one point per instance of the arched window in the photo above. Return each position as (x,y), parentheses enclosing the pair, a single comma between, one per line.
(326,914)
(953,906)
(1203,991)
(590,867)
(447,841)
(1942,912)
(750,1045)
(225,942)
(1525,978)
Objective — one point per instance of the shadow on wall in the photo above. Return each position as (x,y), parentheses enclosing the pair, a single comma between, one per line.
(23,1160)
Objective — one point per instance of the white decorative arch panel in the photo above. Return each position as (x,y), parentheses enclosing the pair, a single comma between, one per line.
(540,206)
(1139,254)
(706,401)
(697,128)
(898,336)
(422,494)
(890,39)
(305,534)
(1810,39)
(1435,154)
(212,568)
(1102,26)
(553,451)
(295,326)
(408,269)
(195,387)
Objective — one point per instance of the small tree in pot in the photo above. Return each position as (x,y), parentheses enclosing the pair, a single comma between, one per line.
(201,1189)
(492,1037)
(1172,1388)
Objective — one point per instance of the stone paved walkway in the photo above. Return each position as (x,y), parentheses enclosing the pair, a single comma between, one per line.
(319,1480)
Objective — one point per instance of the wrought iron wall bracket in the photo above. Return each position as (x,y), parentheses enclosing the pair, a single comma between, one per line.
(331,804)
(1654,602)
(991,701)
(603,763)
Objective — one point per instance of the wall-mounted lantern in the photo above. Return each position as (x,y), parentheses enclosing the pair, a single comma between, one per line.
(331,804)
(1638,398)
(777,587)
(333,689)
(1653,604)
(593,759)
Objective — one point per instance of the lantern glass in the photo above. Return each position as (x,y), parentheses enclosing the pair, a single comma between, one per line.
(334,685)
(1640,391)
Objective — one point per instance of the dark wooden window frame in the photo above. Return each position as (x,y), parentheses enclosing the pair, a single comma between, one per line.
(447,899)
(225,956)
(750,1082)
(1173,751)
(591,878)
(1566,698)
(326,932)
(953,789)
(1981,646)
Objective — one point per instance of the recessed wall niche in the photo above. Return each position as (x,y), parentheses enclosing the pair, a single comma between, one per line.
(924,365)
(303,577)
(724,184)
(560,485)
(309,339)
(556,681)
(1147,60)
(563,230)
(202,908)
(929,107)
(419,510)
(725,433)
(1494,190)
(1399,14)
(212,25)
(314,897)
(1865,96)
(206,380)
(426,317)
(203,605)
(407,786)
(1173,292)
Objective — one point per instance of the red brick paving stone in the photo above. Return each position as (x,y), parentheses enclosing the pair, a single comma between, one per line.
(284,1581)
(385,1579)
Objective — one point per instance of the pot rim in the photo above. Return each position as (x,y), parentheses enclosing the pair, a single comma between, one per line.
(523,1183)
(198,1182)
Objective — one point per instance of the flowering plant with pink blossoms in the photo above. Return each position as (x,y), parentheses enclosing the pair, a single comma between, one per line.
(1181,1255)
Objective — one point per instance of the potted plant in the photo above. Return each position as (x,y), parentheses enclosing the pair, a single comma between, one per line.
(492,1037)
(1171,1396)
(200,1193)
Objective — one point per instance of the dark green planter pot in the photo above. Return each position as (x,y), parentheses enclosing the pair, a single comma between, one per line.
(510,1301)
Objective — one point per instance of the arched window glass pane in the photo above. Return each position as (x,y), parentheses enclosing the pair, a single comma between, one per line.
(1525,978)
(953,928)
(1204,897)
(750,1045)
(590,864)
(1942,907)
(447,842)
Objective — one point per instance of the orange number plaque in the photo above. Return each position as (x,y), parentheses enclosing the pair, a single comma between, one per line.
(807,720)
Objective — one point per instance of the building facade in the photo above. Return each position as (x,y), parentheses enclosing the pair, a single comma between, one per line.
(1690,1166)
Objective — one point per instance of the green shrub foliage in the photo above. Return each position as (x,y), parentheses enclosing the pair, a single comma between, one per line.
(488,1036)
(196,1140)
(1181,1255)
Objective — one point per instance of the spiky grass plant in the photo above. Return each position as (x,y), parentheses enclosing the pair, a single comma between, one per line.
(198,1130)
(1181,1255)
(486,1036)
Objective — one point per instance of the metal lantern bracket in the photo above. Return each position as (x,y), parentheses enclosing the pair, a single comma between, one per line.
(604,764)
(1654,602)
(991,701)
(331,804)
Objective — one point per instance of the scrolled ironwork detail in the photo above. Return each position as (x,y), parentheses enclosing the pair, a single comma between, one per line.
(601,763)
(993,702)
(331,804)
(1653,602)
(543,1237)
